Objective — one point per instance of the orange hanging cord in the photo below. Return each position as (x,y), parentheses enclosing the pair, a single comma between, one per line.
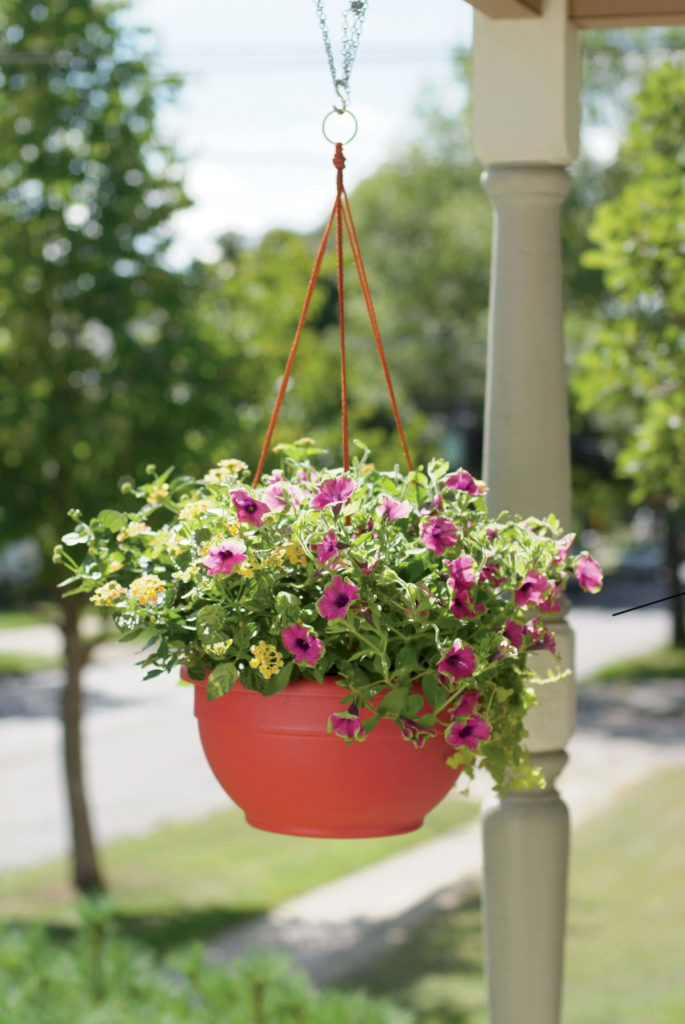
(344,224)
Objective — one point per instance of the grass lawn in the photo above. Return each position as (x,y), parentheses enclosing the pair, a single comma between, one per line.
(625,934)
(16,618)
(665,663)
(17,663)
(188,881)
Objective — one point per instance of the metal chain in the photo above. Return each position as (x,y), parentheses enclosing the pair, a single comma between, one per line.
(353,19)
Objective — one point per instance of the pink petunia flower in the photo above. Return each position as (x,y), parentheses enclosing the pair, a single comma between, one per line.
(274,496)
(461,575)
(349,725)
(333,492)
(438,534)
(466,704)
(303,643)
(541,638)
(462,607)
(415,733)
(533,590)
(491,574)
(463,481)
(469,734)
(431,505)
(588,574)
(225,558)
(336,598)
(391,509)
(551,604)
(514,633)
(328,548)
(249,509)
(460,661)
(564,546)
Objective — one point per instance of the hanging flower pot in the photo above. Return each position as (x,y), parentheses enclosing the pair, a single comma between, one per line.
(277,761)
(379,623)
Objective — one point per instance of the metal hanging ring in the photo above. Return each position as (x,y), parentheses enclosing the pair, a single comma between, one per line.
(352,126)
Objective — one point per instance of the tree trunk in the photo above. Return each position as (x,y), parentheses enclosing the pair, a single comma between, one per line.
(86,874)
(672,561)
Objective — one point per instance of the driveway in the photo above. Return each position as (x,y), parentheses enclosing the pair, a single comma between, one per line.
(144,764)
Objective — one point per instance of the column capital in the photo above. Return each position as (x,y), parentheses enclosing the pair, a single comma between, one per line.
(507,183)
(526,88)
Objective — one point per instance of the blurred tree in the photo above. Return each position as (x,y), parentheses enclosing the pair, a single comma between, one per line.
(100,374)
(424,222)
(630,373)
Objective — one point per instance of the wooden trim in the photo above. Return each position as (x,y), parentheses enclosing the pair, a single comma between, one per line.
(508,8)
(626,13)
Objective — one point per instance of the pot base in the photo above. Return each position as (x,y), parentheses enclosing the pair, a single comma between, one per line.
(276,761)
(327,833)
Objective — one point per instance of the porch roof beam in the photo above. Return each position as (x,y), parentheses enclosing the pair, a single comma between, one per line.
(592,13)
(508,8)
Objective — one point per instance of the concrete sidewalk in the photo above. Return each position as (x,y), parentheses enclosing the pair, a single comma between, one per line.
(625,734)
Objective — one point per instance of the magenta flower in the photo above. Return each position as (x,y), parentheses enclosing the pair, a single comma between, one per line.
(588,574)
(431,505)
(393,509)
(333,492)
(463,481)
(514,633)
(303,643)
(551,604)
(438,534)
(460,661)
(491,532)
(248,508)
(336,598)
(466,704)
(541,638)
(564,546)
(415,733)
(462,607)
(274,496)
(491,574)
(225,558)
(328,548)
(347,724)
(533,590)
(469,734)
(461,575)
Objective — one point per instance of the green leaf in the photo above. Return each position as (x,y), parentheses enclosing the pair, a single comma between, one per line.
(112,520)
(73,538)
(394,702)
(210,621)
(434,692)
(278,682)
(221,680)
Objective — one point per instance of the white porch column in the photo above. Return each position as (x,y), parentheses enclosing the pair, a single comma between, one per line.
(526,100)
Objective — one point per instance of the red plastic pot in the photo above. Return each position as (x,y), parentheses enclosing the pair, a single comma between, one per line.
(276,761)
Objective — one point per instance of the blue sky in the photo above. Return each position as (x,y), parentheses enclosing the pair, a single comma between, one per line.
(258,87)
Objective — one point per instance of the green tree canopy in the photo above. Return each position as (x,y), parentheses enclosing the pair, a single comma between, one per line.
(631,371)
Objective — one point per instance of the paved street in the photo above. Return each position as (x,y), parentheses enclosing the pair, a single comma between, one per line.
(144,763)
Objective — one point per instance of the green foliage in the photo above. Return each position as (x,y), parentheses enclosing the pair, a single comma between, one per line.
(630,375)
(625,926)
(425,222)
(340,574)
(100,374)
(102,977)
